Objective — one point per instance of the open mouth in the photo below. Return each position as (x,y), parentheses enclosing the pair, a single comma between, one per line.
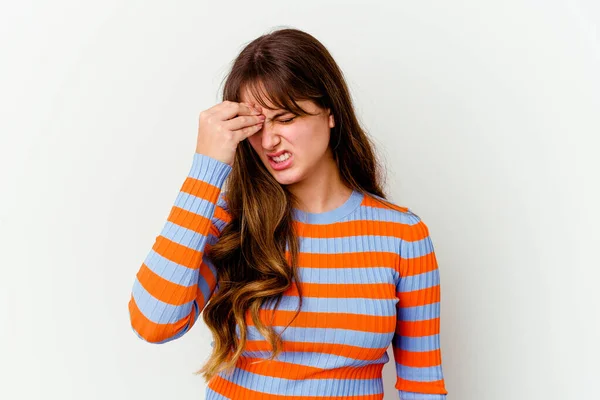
(281,162)
(279,159)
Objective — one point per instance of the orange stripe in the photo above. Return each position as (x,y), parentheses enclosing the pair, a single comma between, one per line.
(223,215)
(164,290)
(422,328)
(201,189)
(177,253)
(152,331)
(350,228)
(420,297)
(418,265)
(193,221)
(329,320)
(418,359)
(370,201)
(188,219)
(185,256)
(344,290)
(415,232)
(433,387)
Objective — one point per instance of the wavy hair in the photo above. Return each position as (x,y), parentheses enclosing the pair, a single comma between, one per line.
(256,254)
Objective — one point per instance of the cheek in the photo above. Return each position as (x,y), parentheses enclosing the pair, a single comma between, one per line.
(255,142)
(313,139)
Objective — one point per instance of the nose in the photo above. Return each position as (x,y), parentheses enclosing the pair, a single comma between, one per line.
(269,137)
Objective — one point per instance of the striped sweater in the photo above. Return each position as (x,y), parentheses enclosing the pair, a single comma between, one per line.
(369,277)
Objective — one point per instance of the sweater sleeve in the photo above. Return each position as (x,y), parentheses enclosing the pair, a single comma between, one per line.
(416,342)
(176,279)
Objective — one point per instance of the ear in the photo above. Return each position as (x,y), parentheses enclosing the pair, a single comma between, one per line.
(331,119)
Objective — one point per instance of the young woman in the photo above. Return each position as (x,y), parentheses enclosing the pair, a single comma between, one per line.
(282,238)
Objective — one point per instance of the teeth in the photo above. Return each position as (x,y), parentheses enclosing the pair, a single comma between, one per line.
(282,157)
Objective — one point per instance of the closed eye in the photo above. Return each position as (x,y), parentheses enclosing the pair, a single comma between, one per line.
(287,121)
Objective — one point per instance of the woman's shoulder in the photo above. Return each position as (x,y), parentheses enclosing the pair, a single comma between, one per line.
(390,210)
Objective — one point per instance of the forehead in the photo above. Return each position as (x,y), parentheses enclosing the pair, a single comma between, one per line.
(246,96)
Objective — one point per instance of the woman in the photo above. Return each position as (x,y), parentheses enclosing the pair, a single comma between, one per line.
(304,273)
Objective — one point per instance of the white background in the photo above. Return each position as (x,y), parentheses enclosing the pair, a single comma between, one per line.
(485,112)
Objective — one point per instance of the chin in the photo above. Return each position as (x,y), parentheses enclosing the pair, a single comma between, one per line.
(286,180)
(286,177)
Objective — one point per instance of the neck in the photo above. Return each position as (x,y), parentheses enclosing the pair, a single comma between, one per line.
(323,190)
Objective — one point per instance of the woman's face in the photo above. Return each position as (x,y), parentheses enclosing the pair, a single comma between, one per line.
(305,138)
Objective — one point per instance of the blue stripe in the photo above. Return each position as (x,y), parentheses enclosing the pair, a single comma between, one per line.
(419,313)
(209,169)
(202,283)
(349,244)
(420,396)
(384,215)
(210,394)
(185,237)
(193,204)
(171,271)
(419,374)
(365,339)
(424,280)
(418,248)
(424,343)
(366,243)
(179,274)
(362,275)
(157,311)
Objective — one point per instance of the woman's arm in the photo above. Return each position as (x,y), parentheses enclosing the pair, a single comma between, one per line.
(416,343)
(176,279)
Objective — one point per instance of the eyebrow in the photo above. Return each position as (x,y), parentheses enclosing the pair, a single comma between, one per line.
(279,114)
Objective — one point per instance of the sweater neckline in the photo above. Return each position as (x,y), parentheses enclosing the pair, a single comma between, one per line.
(336,214)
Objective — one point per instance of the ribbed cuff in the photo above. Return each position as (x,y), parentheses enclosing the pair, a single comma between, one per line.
(210,170)
(402,395)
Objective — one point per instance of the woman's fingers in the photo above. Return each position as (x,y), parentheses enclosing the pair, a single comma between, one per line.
(247,131)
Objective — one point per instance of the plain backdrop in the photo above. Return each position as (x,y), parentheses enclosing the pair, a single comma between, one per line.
(486,114)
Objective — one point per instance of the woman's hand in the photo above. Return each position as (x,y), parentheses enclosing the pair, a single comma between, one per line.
(223,126)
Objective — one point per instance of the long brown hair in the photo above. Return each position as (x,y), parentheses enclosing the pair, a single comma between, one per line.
(250,255)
